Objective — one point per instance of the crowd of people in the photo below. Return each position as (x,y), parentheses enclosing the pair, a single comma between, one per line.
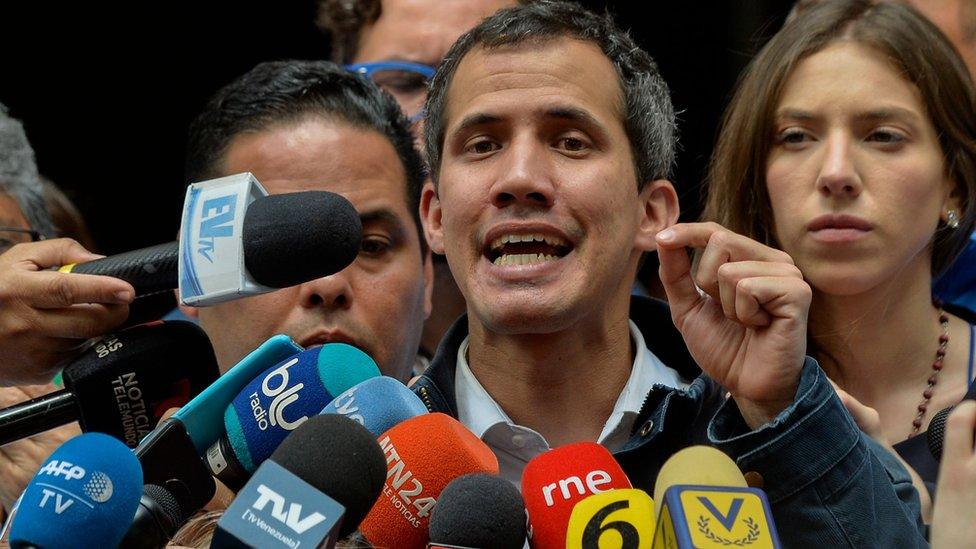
(510,164)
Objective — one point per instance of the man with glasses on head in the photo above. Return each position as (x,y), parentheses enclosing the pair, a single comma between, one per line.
(399,44)
(405,81)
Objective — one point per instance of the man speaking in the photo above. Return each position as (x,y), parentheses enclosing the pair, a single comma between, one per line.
(550,135)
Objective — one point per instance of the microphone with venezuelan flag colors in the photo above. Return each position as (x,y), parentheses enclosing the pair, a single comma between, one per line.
(703,502)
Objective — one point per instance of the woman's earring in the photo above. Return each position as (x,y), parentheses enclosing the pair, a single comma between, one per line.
(952,219)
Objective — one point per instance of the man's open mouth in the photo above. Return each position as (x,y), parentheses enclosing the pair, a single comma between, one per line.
(526,249)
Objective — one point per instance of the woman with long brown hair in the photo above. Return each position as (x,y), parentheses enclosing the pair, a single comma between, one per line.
(850,144)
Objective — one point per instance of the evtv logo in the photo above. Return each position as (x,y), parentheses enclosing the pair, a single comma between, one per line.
(217,222)
(291,518)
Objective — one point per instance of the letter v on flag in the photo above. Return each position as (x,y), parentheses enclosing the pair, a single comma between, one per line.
(706,517)
(727,519)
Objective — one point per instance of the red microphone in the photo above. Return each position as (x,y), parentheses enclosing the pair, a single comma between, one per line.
(423,455)
(554,482)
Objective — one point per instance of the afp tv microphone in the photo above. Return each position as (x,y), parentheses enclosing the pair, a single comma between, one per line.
(84,495)
(704,503)
(237,241)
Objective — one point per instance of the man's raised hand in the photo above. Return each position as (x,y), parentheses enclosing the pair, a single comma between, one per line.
(747,327)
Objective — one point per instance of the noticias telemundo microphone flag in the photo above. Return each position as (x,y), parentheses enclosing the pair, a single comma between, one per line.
(617,519)
(705,503)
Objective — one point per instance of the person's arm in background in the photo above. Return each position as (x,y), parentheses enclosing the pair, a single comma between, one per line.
(869,421)
(954,513)
(45,315)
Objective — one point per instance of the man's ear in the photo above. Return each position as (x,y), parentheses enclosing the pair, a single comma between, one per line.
(190,312)
(659,210)
(430,217)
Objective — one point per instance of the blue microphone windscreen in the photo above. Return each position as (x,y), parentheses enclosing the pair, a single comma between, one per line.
(378,404)
(276,402)
(85,495)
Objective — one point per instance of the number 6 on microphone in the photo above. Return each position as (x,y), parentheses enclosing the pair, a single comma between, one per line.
(618,518)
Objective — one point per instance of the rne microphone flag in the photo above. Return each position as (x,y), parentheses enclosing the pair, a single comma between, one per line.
(554,482)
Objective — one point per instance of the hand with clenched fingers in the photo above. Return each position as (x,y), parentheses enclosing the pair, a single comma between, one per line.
(747,327)
(45,315)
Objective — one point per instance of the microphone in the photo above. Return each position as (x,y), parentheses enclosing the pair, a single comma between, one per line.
(279,241)
(158,517)
(554,482)
(935,435)
(273,404)
(298,501)
(478,510)
(378,404)
(122,384)
(178,483)
(423,455)
(625,516)
(83,496)
(703,502)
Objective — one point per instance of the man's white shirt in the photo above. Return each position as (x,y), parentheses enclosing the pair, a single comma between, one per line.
(515,445)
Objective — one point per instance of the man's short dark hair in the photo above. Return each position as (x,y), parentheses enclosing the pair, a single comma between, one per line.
(648,115)
(289,91)
(345,20)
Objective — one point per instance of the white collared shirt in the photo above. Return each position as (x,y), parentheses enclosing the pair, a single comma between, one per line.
(514,445)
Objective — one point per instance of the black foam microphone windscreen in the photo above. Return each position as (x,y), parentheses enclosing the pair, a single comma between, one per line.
(287,239)
(935,436)
(479,510)
(348,464)
(331,236)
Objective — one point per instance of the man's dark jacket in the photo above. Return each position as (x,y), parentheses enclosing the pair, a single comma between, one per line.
(827,483)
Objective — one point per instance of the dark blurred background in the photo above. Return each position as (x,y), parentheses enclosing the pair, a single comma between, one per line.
(106,92)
